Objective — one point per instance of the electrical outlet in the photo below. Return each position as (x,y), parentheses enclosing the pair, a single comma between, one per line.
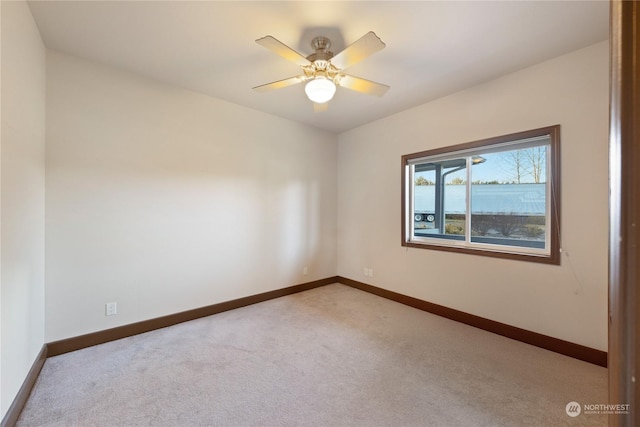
(371,272)
(305,270)
(110,309)
(365,271)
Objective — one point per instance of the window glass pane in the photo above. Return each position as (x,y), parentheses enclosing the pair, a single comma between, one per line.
(455,200)
(497,197)
(424,200)
(508,198)
(439,191)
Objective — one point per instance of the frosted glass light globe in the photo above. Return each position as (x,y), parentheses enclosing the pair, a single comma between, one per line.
(320,90)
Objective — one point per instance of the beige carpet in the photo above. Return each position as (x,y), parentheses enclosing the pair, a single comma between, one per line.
(332,356)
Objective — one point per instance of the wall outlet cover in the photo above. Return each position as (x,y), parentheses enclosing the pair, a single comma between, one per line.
(110,309)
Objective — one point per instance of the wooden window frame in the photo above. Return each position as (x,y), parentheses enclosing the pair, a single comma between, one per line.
(553,257)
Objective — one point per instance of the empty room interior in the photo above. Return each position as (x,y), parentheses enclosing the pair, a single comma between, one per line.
(153,177)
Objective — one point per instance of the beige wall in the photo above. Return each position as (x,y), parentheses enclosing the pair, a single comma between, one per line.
(568,301)
(22,148)
(164,200)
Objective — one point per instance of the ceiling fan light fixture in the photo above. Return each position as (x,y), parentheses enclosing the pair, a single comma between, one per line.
(323,71)
(320,90)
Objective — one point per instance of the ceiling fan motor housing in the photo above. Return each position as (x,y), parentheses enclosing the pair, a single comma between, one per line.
(321,46)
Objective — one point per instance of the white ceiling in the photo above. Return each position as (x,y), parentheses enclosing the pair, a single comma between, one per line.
(433,48)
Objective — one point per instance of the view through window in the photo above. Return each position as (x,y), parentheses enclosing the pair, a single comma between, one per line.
(498,197)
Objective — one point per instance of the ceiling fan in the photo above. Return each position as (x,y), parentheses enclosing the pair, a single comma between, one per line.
(323,71)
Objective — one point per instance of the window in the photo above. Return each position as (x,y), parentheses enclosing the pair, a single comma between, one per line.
(498,197)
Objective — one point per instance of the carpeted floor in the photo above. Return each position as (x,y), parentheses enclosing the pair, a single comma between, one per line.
(332,356)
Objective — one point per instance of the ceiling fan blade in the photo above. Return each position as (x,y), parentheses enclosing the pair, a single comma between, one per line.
(357,51)
(280,84)
(283,50)
(319,108)
(361,85)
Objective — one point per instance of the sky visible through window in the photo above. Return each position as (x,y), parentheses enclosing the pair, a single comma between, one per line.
(498,167)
